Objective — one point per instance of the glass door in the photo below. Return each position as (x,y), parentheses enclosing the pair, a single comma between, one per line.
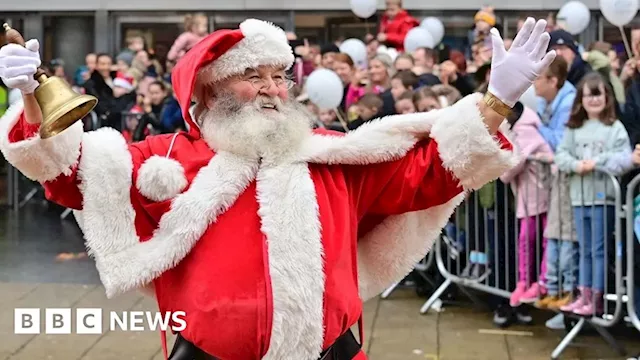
(158,31)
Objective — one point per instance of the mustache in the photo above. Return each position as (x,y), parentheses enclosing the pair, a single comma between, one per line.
(229,103)
(262,100)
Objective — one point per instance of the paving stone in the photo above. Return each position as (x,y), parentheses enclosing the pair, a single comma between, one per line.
(394,330)
(132,345)
(74,346)
(41,297)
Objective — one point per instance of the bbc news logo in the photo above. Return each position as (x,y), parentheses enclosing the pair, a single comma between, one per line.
(90,321)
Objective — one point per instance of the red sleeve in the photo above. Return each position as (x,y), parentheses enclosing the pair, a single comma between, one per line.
(64,189)
(415,182)
(22,130)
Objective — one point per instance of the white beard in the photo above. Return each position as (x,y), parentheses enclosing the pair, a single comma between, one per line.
(248,130)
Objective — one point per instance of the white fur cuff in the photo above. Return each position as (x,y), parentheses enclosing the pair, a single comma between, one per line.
(467,148)
(38,159)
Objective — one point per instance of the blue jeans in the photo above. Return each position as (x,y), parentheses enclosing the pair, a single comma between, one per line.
(562,261)
(590,228)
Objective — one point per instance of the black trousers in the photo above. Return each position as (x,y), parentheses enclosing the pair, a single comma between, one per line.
(346,347)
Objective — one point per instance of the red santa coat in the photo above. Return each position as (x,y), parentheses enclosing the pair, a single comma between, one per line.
(269,260)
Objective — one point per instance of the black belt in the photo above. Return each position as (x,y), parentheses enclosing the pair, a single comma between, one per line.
(346,347)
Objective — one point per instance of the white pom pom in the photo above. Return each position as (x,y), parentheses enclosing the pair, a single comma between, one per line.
(254,27)
(161,178)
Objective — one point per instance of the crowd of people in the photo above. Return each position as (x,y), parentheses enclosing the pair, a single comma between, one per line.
(585,119)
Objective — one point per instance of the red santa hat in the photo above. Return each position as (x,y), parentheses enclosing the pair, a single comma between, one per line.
(123,81)
(225,53)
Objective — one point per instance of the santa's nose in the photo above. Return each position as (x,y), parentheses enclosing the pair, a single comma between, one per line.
(271,89)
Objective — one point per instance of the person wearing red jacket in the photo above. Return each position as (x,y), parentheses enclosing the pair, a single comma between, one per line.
(395,24)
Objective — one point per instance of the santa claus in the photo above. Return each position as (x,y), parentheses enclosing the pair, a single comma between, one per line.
(268,235)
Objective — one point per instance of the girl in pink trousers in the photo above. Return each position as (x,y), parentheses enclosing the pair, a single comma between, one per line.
(529,182)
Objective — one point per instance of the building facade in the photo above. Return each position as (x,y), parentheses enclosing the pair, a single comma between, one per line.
(69,29)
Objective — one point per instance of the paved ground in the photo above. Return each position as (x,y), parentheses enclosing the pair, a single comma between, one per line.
(30,277)
(394,330)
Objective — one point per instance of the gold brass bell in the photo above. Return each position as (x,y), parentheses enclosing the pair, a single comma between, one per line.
(61,106)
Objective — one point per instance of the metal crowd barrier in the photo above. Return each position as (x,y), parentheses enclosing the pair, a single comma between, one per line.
(482,251)
(633,245)
(421,269)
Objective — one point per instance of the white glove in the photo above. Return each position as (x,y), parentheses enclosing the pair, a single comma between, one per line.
(513,72)
(18,64)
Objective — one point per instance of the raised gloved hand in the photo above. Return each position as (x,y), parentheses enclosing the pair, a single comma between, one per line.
(18,64)
(513,71)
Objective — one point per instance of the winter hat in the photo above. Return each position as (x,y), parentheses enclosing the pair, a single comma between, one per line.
(329,48)
(225,53)
(562,37)
(487,15)
(124,81)
(126,56)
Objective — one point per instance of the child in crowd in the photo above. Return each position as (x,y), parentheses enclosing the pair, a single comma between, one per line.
(425,99)
(404,103)
(447,94)
(593,136)
(369,107)
(404,62)
(328,119)
(196,28)
(123,62)
(403,81)
(557,96)
(531,187)
(131,123)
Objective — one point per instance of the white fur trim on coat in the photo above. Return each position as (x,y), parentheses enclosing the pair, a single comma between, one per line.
(468,150)
(379,140)
(161,178)
(263,44)
(40,159)
(107,218)
(290,220)
(392,249)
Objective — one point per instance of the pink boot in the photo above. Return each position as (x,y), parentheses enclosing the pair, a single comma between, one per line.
(516,295)
(533,293)
(585,293)
(593,305)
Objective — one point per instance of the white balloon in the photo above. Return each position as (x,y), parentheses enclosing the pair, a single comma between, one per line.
(357,50)
(364,8)
(576,17)
(418,37)
(325,89)
(435,28)
(619,12)
(393,53)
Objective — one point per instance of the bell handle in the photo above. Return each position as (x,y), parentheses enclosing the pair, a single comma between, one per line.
(14,37)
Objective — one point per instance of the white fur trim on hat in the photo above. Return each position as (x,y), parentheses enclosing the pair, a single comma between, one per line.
(123,83)
(161,178)
(263,44)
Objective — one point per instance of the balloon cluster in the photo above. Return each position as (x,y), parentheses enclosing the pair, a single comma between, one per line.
(324,87)
(575,15)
